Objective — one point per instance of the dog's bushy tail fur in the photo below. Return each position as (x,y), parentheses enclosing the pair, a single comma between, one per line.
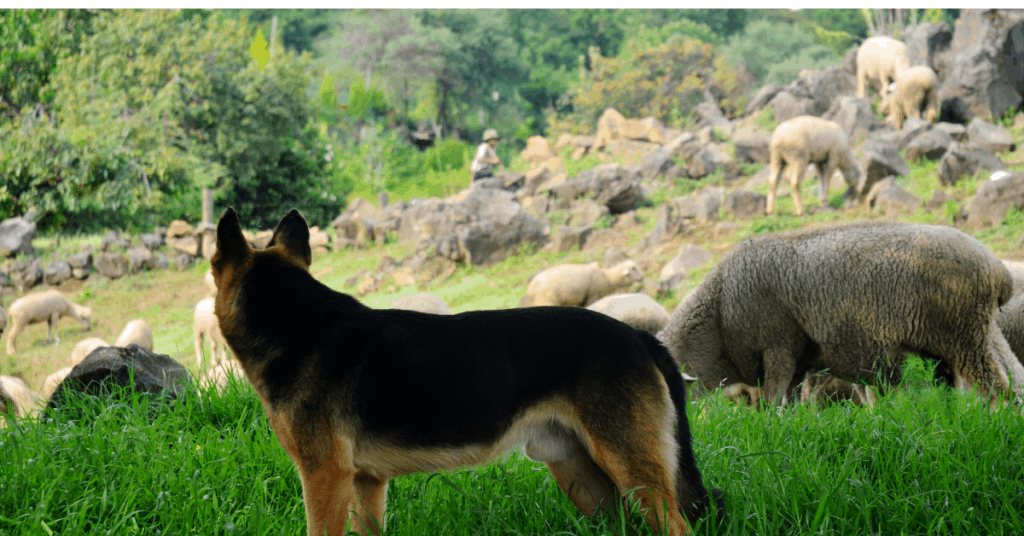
(692,495)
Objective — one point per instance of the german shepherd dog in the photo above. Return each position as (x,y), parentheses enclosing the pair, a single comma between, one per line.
(358,396)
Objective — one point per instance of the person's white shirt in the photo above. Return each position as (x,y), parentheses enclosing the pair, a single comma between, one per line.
(479,166)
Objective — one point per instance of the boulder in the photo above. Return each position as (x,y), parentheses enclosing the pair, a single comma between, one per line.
(966,159)
(5,279)
(928,44)
(113,238)
(587,212)
(659,161)
(569,238)
(674,272)
(881,159)
(609,127)
(356,222)
(16,236)
(206,235)
(855,116)
(762,98)
(611,185)
(887,197)
(938,200)
(152,241)
(537,150)
(786,106)
(112,265)
(80,260)
(824,87)
(160,261)
(992,137)
(492,225)
(995,198)
(955,130)
(26,274)
(319,239)
(179,228)
(931,144)
(141,258)
(850,60)
(754,148)
(134,367)
(745,204)
(187,244)
(56,273)
(262,238)
(183,260)
(986,73)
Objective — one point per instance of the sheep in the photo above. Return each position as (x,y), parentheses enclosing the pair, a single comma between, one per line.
(136,332)
(217,377)
(211,284)
(851,298)
(422,302)
(743,394)
(1011,323)
(805,140)
(579,284)
(85,347)
(52,381)
(880,60)
(48,305)
(821,387)
(915,95)
(16,399)
(1017,273)
(637,310)
(205,324)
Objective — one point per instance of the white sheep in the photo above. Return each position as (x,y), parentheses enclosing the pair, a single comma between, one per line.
(807,140)
(637,310)
(422,302)
(579,284)
(217,377)
(915,94)
(136,332)
(205,324)
(880,61)
(49,306)
(16,399)
(84,348)
(211,284)
(52,381)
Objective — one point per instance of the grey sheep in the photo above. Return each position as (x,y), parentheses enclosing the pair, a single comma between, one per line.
(1011,323)
(852,298)
(639,311)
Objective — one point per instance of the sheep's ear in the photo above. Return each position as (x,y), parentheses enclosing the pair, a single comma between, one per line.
(292,238)
(231,245)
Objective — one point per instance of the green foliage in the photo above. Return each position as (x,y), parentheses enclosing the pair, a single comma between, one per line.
(258,50)
(776,51)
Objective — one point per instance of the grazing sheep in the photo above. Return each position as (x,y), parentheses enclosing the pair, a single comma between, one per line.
(743,394)
(821,388)
(205,324)
(136,332)
(422,302)
(880,61)
(52,381)
(217,377)
(49,306)
(84,348)
(16,399)
(915,95)
(807,140)
(1011,322)
(637,310)
(852,298)
(1017,273)
(579,284)
(211,284)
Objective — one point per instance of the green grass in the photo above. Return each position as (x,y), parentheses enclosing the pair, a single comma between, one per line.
(926,460)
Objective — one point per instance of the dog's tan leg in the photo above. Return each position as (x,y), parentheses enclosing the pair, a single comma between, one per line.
(584,482)
(371,492)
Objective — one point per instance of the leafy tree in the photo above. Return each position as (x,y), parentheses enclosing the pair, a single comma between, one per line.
(158,104)
(776,51)
(298,29)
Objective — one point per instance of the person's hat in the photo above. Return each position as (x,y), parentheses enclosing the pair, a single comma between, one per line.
(491,134)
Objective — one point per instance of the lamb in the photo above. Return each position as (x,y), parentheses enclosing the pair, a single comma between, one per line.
(805,140)
(579,284)
(422,302)
(49,306)
(136,332)
(853,299)
(880,61)
(85,347)
(205,324)
(211,285)
(16,399)
(637,310)
(217,377)
(52,381)
(915,94)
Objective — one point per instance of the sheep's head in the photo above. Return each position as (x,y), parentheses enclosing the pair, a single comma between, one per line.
(627,273)
(85,316)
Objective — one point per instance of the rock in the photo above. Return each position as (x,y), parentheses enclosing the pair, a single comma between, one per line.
(762,98)
(152,241)
(688,258)
(112,265)
(931,144)
(569,238)
(5,279)
(827,86)
(855,116)
(80,260)
(16,236)
(25,275)
(702,205)
(881,159)
(141,258)
(160,261)
(179,228)
(890,199)
(912,127)
(609,127)
(786,106)
(928,44)
(587,212)
(187,244)
(356,222)
(601,239)
(113,238)
(611,185)
(754,148)
(511,181)
(995,198)
(966,159)
(80,273)
(537,150)
(992,137)
(612,256)
(492,226)
(319,239)
(938,200)
(183,261)
(956,131)
(56,273)
(386,264)
(262,238)
(850,60)
(660,160)
(987,62)
(955,110)
(745,204)
(110,367)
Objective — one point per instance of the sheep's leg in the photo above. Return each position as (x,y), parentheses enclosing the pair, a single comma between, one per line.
(51,324)
(12,334)
(773,179)
(779,369)
(198,335)
(825,171)
(796,171)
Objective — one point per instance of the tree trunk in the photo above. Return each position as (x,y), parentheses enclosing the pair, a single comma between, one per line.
(207,205)
(273,34)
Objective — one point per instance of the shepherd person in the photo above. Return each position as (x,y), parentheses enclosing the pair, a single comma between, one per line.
(485,159)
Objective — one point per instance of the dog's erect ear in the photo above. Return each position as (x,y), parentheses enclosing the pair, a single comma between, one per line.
(292,237)
(231,244)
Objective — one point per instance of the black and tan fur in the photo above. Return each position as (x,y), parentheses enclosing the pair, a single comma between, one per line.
(358,396)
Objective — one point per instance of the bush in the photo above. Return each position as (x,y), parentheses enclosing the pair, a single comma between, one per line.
(775,52)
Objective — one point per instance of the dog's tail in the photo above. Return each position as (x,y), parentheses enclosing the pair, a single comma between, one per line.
(692,495)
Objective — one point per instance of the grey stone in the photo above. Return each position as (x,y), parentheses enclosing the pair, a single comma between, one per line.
(56,273)
(745,204)
(956,131)
(762,97)
(881,160)
(966,159)
(995,198)
(786,106)
(152,241)
(992,137)
(111,265)
(890,199)
(111,367)
(16,236)
(80,260)
(931,144)
(568,238)
(183,261)
(141,258)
